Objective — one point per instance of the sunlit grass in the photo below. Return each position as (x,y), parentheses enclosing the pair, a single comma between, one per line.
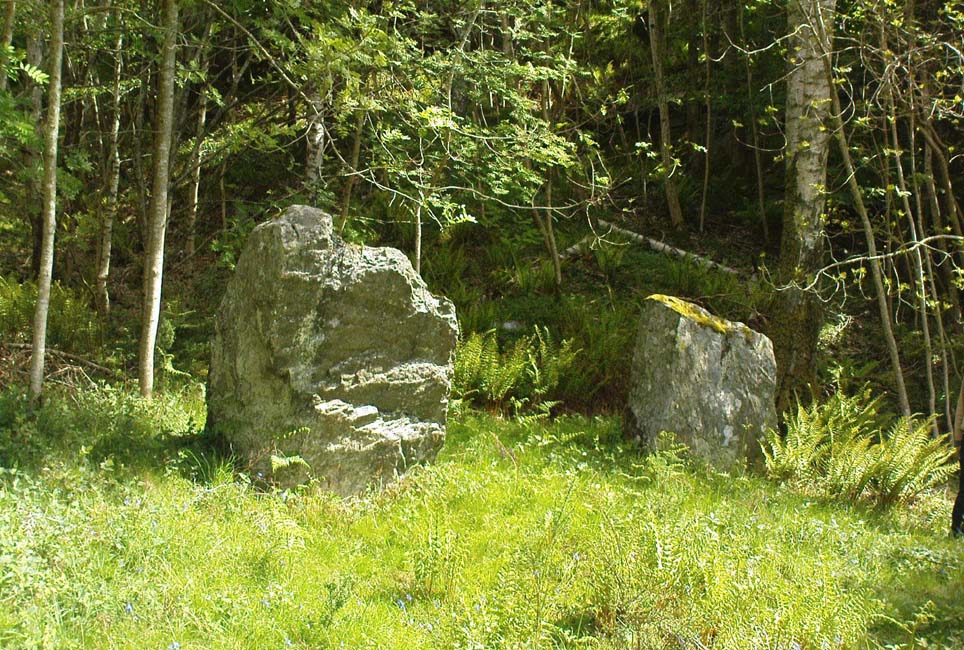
(522,535)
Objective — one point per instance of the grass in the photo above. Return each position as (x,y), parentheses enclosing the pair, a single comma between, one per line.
(120,527)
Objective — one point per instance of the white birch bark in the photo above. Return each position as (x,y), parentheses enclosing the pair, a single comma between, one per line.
(796,314)
(105,236)
(51,131)
(157,213)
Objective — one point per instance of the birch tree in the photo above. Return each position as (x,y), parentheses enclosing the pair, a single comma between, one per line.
(105,232)
(796,314)
(49,191)
(158,209)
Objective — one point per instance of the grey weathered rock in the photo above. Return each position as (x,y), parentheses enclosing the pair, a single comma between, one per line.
(329,360)
(708,380)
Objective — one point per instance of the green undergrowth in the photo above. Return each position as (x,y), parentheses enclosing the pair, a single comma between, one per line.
(846,447)
(72,324)
(523,534)
(507,288)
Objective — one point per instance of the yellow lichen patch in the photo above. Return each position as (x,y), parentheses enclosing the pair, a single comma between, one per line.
(694,313)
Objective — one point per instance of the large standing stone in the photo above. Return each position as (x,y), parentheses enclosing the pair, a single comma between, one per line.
(708,380)
(329,360)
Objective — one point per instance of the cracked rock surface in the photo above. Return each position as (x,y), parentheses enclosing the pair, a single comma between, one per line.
(710,381)
(330,361)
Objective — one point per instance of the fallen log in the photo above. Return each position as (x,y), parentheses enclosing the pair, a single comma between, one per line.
(653,244)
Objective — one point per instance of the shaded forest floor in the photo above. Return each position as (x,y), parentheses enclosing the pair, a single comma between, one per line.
(122,526)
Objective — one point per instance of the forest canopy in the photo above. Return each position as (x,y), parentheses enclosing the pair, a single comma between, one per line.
(811,146)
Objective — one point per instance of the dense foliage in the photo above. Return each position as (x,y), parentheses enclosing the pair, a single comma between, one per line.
(487,140)
(843,448)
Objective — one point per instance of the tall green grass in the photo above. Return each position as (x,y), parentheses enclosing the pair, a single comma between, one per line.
(522,535)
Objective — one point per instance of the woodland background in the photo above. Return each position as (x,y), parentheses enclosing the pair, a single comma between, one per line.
(540,162)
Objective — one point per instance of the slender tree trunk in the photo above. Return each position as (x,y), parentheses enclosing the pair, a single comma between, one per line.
(355,155)
(881,292)
(35,58)
(707,144)
(551,244)
(951,207)
(931,275)
(223,192)
(693,8)
(796,315)
(51,131)
(551,237)
(105,236)
(317,139)
(196,163)
(755,133)
(657,47)
(418,237)
(957,438)
(6,37)
(138,142)
(918,259)
(933,203)
(154,265)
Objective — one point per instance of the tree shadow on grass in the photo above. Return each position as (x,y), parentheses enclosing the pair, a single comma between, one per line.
(110,426)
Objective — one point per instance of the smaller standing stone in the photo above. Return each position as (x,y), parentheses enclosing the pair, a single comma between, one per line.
(708,380)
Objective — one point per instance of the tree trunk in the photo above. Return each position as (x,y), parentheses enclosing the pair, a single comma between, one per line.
(6,37)
(754,132)
(317,140)
(138,142)
(35,58)
(550,232)
(796,315)
(657,47)
(51,131)
(882,306)
(918,260)
(154,265)
(551,237)
(418,238)
(708,142)
(938,223)
(957,514)
(952,209)
(196,163)
(105,236)
(223,193)
(355,155)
